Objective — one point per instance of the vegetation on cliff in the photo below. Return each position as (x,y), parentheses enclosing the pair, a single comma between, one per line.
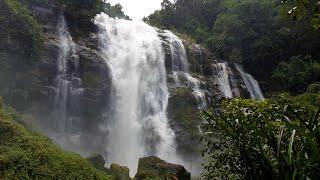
(259,33)
(277,138)
(81,12)
(26,155)
(19,31)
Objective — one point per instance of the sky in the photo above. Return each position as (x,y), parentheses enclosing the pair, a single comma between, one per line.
(137,9)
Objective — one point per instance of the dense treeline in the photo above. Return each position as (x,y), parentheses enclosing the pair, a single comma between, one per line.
(259,33)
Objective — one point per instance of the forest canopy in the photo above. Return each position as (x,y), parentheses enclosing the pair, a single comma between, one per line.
(259,33)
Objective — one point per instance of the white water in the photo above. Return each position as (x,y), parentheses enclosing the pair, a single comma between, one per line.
(222,75)
(251,84)
(69,86)
(133,51)
(180,67)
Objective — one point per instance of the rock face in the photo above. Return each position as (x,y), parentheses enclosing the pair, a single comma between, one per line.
(155,168)
(33,88)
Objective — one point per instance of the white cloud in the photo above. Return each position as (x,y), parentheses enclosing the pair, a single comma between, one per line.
(137,9)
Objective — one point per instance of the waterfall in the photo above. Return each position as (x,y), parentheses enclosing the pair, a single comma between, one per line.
(251,84)
(68,84)
(133,51)
(180,67)
(222,71)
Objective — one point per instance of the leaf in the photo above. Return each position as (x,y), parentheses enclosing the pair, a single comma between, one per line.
(280,139)
(290,151)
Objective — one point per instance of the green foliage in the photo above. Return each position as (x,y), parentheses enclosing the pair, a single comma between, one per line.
(309,9)
(115,11)
(26,155)
(258,33)
(83,8)
(192,17)
(272,139)
(238,29)
(19,31)
(296,74)
(314,88)
(81,12)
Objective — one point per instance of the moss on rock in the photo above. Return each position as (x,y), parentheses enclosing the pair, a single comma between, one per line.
(97,161)
(155,168)
(119,172)
(185,119)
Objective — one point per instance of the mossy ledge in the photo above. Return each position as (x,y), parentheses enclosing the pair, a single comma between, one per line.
(27,155)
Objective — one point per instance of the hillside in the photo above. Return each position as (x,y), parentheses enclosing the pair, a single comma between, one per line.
(27,155)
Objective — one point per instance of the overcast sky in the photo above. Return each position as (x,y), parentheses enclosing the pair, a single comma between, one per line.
(137,9)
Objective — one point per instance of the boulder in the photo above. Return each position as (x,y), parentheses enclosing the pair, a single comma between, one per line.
(97,161)
(119,172)
(155,168)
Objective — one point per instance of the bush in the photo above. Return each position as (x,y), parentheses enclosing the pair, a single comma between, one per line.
(272,139)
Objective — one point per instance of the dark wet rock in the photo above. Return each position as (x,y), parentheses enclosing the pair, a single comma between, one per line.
(97,161)
(119,172)
(155,168)
(200,59)
(185,120)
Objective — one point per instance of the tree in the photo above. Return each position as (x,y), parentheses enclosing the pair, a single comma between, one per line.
(309,9)
(296,74)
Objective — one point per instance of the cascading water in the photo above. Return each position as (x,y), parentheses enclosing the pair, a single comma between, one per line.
(251,84)
(221,71)
(133,51)
(180,67)
(69,87)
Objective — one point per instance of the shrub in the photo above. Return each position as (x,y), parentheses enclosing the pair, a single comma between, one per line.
(272,139)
